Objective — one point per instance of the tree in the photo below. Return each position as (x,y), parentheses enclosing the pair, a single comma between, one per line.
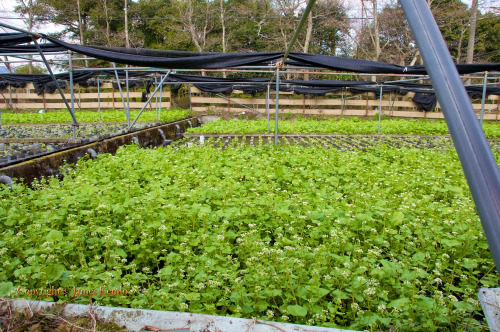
(487,41)
(34,13)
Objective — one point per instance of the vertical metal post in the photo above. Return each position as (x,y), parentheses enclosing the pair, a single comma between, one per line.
(277,106)
(71,86)
(267,105)
(79,98)
(10,97)
(128,95)
(190,107)
(156,97)
(478,163)
(149,100)
(127,114)
(99,97)
(380,108)
(161,89)
(483,99)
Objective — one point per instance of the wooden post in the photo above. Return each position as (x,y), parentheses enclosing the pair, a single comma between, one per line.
(303,104)
(498,106)
(228,106)
(366,113)
(169,96)
(43,96)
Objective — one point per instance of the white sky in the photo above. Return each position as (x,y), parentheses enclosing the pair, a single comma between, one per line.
(7,11)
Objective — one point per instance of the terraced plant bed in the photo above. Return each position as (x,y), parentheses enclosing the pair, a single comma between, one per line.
(337,142)
(346,126)
(22,141)
(383,239)
(63,116)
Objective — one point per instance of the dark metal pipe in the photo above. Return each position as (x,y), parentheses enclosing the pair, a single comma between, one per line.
(73,119)
(472,148)
(307,10)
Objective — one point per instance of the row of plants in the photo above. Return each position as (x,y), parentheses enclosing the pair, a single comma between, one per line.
(338,126)
(383,239)
(338,142)
(92,116)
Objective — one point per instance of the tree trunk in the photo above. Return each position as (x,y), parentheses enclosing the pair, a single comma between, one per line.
(108,34)
(472,32)
(223,23)
(307,41)
(80,28)
(7,65)
(127,41)
(460,41)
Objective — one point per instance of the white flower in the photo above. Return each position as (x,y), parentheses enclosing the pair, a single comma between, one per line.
(118,243)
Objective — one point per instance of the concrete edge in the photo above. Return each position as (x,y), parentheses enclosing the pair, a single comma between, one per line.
(137,319)
(490,302)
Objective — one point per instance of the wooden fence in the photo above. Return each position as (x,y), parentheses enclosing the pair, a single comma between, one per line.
(347,104)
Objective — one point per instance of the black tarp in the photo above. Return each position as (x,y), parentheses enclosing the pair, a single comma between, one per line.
(374,67)
(329,83)
(250,89)
(22,49)
(185,78)
(314,91)
(207,60)
(476,92)
(376,90)
(347,64)
(43,82)
(425,101)
(217,84)
(10,39)
(216,61)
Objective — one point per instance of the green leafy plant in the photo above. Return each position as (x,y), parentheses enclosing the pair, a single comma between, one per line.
(367,240)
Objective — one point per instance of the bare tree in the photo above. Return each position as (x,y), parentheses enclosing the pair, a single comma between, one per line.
(472,32)
(196,19)
(34,11)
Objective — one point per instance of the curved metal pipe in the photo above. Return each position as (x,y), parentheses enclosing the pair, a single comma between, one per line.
(6,180)
(136,141)
(473,150)
(164,139)
(92,153)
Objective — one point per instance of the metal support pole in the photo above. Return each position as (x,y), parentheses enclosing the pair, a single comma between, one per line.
(127,114)
(161,90)
(99,98)
(128,95)
(71,86)
(380,108)
(149,100)
(478,163)
(483,99)
(190,107)
(156,98)
(303,20)
(277,106)
(267,106)
(10,96)
(71,111)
